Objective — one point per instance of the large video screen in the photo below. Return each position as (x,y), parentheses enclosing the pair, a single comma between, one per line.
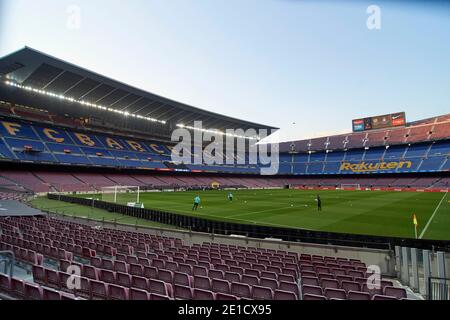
(379,122)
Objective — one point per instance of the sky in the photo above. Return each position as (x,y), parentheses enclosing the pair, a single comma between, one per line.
(307,67)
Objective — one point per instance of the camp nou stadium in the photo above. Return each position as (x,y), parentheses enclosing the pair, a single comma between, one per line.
(96,203)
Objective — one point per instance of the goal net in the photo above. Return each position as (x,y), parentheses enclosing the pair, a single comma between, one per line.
(356,186)
(121,194)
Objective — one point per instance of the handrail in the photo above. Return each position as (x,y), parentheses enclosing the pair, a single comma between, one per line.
(11,261)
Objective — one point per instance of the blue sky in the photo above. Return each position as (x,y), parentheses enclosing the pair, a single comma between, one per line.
(314,63)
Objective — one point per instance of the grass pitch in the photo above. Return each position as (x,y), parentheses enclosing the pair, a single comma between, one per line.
(359,212)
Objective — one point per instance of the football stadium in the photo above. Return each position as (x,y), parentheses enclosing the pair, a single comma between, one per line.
(110,192)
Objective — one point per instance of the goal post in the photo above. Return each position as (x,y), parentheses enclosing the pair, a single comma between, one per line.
(350,186)
(121,194)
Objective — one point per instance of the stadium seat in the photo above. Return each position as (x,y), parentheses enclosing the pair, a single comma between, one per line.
(269,283)
(200,294)
(262,293)
(159,287)
(116,292)
(241,290)
(99,290)
(139,282)
(311,290)
(5,282)
(138,294)
(224,296)
(335,293)
(350,286)
(313,297)
(183,292)
(221,286)
(398,293)
(33,291)
(382,297)
(284,295)
(353,295)
(50,294)
(123,279)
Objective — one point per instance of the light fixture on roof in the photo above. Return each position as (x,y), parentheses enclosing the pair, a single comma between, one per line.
(82,102)
(215,131)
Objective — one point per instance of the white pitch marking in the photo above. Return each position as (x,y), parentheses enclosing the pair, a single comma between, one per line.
(432,216)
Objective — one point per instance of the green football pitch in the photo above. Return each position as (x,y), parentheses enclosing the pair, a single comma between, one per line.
(360,212)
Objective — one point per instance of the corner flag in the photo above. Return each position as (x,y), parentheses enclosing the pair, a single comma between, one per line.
(415,220)
(416,224)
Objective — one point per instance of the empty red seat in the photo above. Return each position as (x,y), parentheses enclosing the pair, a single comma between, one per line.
(219,285)
(89,272)
(312,290)
(155,296)
(199,271)
(286,277)
(313,297)
(123,279)
(99,290)
(353,295)
(201,282)
(120,266)
(139,282)
(330,283)
(289,286)
(350,286)
(331,293)
(269,275)
(182,279)
(250,280)
(50,294)
(216,274)
(85,287)
(262,293)
(165,275)
(159,287)
(138,294)
(5,282)
(398,293)
(382,297)
(17,287)
(136,269)
(107,276)
(116,292)
(185,268)
(284,295)
(39,274)
(150,272)
(310,281)
(200,294)
(241,290)
(33,291)
(53,279)
(372,291)
(269,283)
(107,264)
(224,296)
(232,276)
(182,292)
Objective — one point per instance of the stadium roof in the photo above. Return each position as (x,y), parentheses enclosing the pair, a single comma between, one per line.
(30,68)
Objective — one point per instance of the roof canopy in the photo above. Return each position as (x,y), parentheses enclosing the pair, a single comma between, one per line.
(31,68)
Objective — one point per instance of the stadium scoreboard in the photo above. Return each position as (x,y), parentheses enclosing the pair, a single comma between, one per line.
(379,122)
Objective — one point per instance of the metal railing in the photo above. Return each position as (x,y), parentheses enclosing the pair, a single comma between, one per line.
(438,288)
(8,262)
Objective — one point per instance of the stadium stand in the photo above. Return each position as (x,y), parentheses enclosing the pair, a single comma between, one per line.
(119,136)
(124,265)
